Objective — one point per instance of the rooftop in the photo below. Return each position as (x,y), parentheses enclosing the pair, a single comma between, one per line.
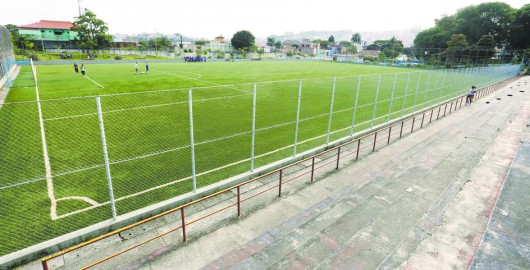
(49,25)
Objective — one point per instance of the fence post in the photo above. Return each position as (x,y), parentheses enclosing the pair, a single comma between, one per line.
(391,99)
(253,129)
(331,109)
(297,117)
(435,87)
(416,94)
(375,101)
(355,107)
(426,89)
(442,88)
(192,141)
(405,96)
(106,156)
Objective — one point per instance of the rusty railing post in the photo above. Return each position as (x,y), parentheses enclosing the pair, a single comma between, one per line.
(312,168)
(280,185)
(238,201)
(430,119)
(358,148)
(338,159)
(389,133)
(183,219)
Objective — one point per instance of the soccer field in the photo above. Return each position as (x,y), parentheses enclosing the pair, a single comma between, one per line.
(54,178)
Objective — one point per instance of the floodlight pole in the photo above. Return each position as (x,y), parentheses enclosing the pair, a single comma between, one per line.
(106,156)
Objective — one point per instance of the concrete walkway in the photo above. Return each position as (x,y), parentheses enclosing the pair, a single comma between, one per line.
(423,202)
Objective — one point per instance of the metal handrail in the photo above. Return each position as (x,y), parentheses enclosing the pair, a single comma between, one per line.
(480,93)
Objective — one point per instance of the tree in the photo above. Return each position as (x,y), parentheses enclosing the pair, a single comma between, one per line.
(278,45)
(243,40)
(455,49)
(159,42)
(356,38)
(19,42)
(347,47)
(485,47)
(270,41)
(143,44)
(92,31)
(331,39)
(493,18)
(323,43)
(457,41)
(391,48)
(520,35)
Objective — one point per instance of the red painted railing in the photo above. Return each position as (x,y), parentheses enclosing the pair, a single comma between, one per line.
(389,131)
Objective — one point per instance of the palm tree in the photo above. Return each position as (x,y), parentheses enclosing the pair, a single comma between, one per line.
(356,38)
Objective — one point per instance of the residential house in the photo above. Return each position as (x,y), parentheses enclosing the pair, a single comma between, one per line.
(50,34)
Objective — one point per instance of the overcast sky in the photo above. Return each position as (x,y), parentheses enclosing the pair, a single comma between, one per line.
(211,18)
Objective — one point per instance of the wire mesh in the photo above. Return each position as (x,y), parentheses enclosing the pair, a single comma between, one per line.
(54,177)
(7,57)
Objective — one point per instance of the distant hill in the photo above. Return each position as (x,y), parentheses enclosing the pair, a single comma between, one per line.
(405,35)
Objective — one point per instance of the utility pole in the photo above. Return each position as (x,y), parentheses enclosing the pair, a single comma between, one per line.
(81,9)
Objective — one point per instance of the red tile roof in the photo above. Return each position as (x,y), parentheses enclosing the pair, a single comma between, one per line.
(48,25)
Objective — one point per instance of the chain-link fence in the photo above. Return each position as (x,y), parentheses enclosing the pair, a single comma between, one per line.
(437,57)
(70,163)
(7,57)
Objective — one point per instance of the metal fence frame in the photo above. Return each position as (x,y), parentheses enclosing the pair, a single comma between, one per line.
(490,75)
(369,142)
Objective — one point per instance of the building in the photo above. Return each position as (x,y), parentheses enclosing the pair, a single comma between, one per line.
(220,39)
(49,34)
(308,48)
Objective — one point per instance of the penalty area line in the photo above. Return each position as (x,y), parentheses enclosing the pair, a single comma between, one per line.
(94,82)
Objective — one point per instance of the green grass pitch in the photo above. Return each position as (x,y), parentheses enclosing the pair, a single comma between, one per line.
(147,127)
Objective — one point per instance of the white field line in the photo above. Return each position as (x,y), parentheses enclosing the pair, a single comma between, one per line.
(88,200)
(212,83)
(94,82)
(95,204)
(75,90)
(49,178)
